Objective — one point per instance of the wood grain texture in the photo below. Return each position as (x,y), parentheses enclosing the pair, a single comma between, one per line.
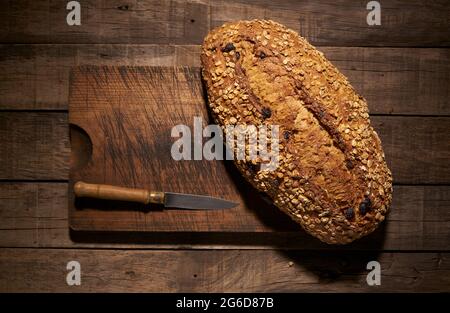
(114,21)
(424,141)
(37,76)
(343,22)
(44,270)
(397,80)
(36,215)
(333,23)
(36,146)
(128,114)
(393,80)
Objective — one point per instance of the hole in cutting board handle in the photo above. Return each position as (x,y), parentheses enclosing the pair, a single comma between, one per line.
(81,147)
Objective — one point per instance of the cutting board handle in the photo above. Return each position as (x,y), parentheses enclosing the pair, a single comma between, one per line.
(108,192)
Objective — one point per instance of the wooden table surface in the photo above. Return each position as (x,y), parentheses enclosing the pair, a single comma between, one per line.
(402,67)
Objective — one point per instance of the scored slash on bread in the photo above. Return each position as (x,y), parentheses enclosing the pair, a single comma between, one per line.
(332,177)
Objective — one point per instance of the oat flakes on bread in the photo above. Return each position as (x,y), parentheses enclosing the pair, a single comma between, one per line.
(332,176)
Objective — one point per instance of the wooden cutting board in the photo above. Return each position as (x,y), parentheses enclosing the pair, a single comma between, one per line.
(120,122)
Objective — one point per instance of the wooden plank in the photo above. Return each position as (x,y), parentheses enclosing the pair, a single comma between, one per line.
(343,22)
(35,215)
(416,148)
(393,80)
(36,146)
(37,76)
(44,270)
(397,80)
(149,21)
(333,23)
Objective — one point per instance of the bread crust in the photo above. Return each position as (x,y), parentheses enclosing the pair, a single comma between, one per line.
(332,177)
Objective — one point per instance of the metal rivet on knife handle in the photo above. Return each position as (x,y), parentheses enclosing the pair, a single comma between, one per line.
(156,197)
(108,192)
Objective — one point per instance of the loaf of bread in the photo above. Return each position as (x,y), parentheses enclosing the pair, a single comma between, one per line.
(332,177)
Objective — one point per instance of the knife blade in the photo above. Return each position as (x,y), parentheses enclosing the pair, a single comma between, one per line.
(195,202)
(168,199)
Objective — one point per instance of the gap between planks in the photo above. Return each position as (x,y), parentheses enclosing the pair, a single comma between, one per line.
(36,215)
(221,271)
(38,147)
(337,23)
(409,77)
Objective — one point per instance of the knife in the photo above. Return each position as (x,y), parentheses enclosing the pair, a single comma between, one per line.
(168,199)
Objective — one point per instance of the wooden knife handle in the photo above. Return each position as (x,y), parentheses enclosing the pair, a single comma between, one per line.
(108,192)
